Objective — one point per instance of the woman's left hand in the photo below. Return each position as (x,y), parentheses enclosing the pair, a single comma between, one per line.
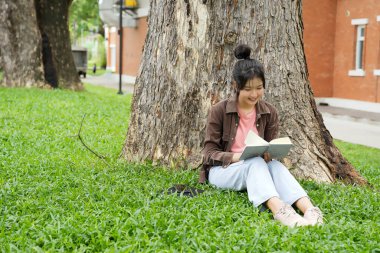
(267,157)
(236,157)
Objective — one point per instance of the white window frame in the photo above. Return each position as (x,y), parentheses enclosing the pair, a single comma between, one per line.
(360,37)
(359,48)
(376,72)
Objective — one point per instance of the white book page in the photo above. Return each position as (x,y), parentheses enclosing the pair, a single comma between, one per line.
(253,139)
(283,140)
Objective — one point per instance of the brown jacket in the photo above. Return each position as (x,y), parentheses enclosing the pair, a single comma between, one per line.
(222,123)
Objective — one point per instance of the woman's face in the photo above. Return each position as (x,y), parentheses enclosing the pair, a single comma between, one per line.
(252,92)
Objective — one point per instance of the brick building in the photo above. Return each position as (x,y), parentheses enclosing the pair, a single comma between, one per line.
(342,47)
(341,41)
(134,31)
(133,40)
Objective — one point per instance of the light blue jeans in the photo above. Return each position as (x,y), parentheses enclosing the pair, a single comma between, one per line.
(261,180)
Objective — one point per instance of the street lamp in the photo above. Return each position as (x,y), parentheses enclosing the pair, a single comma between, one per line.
(127,5)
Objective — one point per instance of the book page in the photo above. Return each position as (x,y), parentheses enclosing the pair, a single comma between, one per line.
(283,140)
(253,139)
(255,146)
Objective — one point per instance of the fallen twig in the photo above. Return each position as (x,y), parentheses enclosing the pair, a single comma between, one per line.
(87,147)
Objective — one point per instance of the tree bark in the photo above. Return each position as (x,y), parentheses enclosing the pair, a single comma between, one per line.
(59,63)
(187,66)
(36,49)
(21,59)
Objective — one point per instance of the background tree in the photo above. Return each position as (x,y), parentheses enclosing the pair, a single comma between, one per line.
(87,30)
(21,58)
(186,67)
(36,48)
(84,18)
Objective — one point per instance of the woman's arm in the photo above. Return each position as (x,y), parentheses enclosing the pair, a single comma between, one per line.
(271,130)
(272,125)
(213,153)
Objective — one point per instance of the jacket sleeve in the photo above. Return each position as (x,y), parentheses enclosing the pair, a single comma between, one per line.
(213,153)
(271,129)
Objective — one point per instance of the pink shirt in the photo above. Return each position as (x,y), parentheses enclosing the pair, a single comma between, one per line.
(246,123)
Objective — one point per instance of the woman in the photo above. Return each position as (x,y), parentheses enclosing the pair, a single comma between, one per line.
(267,181)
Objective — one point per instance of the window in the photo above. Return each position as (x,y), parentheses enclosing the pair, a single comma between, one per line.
(359,48)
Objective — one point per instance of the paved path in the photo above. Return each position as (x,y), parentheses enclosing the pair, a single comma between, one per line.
(352,121)
(354,126)
(111,80)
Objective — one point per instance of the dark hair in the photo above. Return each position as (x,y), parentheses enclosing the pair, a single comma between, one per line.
(246,68)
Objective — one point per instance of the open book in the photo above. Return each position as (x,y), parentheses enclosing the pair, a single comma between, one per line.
(256,146)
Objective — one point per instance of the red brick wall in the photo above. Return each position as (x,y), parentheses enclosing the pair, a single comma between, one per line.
(133,41)
(112,40)
(350,87)
(319,30)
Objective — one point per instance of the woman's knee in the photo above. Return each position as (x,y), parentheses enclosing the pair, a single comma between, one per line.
(256,161)
(276,166)
(256,164)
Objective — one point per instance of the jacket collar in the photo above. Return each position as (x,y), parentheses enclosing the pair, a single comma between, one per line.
(231,107)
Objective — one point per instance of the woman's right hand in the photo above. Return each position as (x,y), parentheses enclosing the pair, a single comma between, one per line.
(267,157)
(236,157)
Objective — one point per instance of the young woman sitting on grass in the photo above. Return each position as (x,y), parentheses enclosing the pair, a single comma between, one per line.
(267,181)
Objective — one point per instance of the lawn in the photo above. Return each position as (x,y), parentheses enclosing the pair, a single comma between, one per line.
(57,196)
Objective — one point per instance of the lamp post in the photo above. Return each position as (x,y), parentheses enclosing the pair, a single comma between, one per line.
(120,92)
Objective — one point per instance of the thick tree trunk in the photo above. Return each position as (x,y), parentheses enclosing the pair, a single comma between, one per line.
(58,61)
(186,67)
(21,59)
(35,47)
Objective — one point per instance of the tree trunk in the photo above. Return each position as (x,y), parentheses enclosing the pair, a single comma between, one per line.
(20,58)
(36,48)
(187,66)
(58,60)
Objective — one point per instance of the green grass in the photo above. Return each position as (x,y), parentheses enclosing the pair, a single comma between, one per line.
(56,196)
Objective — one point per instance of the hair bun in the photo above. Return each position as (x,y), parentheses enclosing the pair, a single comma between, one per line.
(242,51)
